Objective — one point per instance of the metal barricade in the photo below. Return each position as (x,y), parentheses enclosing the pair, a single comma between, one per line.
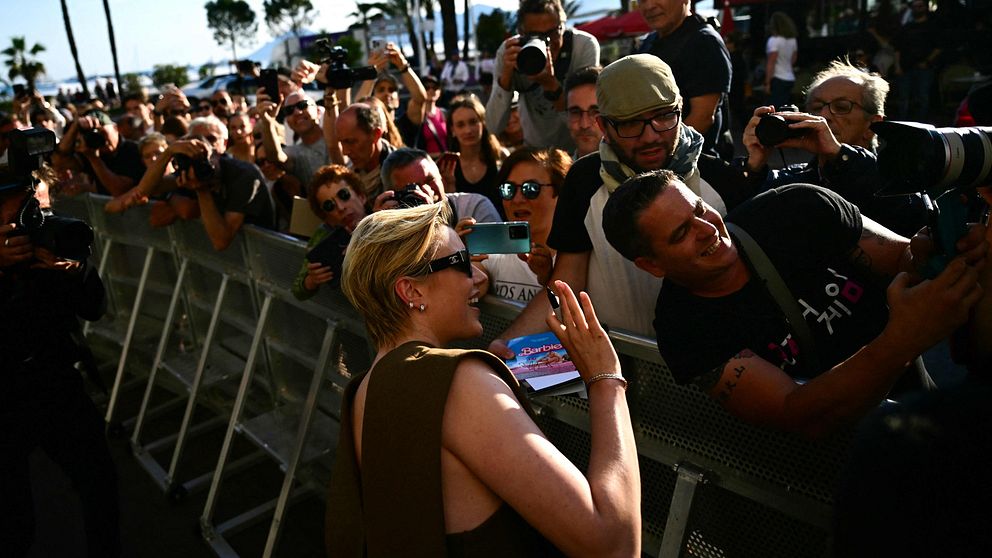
(220,293)
(137,266)
(302,338)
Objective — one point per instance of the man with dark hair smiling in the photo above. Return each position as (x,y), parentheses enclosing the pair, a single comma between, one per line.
(809,351)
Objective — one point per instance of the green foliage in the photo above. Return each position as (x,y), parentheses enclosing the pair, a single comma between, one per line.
(132,83)
(572,8)
(490,31)
(288,15)
(21,61)
(206,70)
(354,48)
(169,73)
(232,21)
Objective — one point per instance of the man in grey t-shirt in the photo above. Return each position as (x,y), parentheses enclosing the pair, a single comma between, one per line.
(304,158)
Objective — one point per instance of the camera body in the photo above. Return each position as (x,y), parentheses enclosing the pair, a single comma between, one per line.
(533,56)
(202,168)
(407,197)
(94,139)
(339,75)
(773,129)
(66,238)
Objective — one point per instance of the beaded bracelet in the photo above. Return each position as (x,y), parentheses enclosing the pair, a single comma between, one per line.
(608,376)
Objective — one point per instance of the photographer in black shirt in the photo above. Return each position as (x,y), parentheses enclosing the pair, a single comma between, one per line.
(42,402)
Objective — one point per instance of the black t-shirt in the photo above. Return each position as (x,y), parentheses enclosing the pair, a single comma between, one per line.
(242,190)
(808,233)
(126,161)
(568,229)
(700,64)
(486,186)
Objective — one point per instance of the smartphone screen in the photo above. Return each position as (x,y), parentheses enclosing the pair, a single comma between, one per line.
(269,79)
(511,237)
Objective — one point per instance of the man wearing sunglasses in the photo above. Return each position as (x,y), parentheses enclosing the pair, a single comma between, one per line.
(541,95)
(640,118)
(301,115)
(841,104)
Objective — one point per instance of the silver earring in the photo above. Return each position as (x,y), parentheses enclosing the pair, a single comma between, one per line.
(422,308)
(411,305)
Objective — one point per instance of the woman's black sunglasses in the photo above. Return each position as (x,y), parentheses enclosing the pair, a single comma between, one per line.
(460,260)
(530,189)
(343,194)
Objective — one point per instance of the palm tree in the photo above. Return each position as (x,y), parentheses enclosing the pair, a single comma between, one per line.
(113,45)
(75,53)
(21,61)
(450,27)
(571,8)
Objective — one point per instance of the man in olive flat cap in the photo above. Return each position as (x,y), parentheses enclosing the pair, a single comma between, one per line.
(640,118)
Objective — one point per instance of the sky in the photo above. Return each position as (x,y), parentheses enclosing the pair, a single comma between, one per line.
(148,32)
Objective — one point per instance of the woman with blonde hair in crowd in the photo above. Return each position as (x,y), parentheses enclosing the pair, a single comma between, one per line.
(479,152)
(438,453)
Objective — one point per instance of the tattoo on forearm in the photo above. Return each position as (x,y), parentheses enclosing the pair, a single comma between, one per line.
(728,386)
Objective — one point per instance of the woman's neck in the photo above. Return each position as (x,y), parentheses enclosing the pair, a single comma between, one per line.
(471,152)
(421,335)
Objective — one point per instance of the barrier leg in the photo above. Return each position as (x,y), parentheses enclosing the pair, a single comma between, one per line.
(688,479)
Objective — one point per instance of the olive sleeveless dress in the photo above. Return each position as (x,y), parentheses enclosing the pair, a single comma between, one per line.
(392,505)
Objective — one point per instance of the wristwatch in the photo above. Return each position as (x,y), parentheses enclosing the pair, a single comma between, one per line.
(553,95)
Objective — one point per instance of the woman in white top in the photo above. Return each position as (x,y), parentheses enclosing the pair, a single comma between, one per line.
(782,51)
(528,183)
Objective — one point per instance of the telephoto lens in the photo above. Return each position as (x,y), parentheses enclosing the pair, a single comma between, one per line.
(533,56)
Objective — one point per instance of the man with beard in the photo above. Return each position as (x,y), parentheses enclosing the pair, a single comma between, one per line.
(640,118)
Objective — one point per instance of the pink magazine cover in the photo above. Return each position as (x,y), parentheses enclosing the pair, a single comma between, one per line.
(540,354)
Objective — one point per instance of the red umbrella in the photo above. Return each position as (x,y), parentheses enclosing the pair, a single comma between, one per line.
(625,25)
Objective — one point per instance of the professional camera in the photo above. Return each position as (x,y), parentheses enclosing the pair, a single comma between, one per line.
(774,129)
(94,139)
(533,56)
(202,168)
(66,238)
(407,197)
(946,163)
(339,75)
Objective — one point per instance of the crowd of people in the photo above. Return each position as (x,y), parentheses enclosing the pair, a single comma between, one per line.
(792,296)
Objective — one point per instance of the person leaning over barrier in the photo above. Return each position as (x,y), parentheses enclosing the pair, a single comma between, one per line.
(438,449)
(719,325)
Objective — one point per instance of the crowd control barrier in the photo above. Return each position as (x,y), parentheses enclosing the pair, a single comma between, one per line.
(712,486)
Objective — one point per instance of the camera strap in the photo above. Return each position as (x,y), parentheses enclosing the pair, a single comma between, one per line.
(779,291)
(564,56)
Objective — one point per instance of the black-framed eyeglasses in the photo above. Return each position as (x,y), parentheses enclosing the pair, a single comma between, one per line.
(290,109)
(550,33)
(460,260)
(221,102)
(344,194)
(531,189)
(837,106)
(634,128)
(575,114)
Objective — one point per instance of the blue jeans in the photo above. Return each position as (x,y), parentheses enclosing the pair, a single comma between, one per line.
(913,94)
(780,92)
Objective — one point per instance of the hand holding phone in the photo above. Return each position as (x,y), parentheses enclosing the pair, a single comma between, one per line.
(330,253)
(269,79)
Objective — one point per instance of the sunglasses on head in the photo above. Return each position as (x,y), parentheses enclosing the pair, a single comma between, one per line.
(343,194)
(460,260)
(530,189)
(290,109)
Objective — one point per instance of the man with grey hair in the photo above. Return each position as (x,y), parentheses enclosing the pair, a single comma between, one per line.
(229,192)
(407,166)
(302,116)
(357,134)
(842,102)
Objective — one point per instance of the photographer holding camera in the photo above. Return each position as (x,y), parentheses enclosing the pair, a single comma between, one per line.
(536,63)
(841,104)
(93,145)
(43,403)
(229,192)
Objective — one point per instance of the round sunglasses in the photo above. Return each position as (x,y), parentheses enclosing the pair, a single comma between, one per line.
(343,194)
(531,189)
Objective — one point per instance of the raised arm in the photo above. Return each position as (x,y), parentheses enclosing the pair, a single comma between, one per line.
(570,267)
(487,430)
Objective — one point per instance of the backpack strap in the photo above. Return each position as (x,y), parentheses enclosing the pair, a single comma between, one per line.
(777,288)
